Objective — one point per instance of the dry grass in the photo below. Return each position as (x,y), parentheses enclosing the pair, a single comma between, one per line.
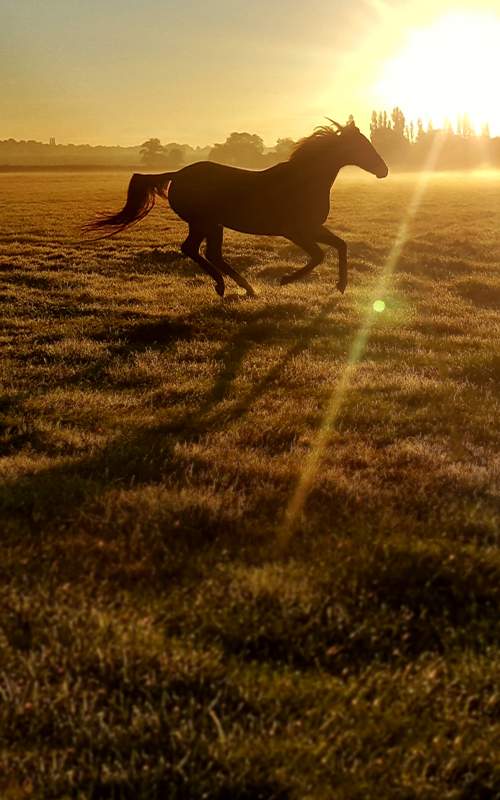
(237,562)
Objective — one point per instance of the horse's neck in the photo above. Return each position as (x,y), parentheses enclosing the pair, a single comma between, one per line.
(321,173)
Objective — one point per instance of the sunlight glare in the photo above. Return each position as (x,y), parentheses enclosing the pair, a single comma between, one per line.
(339,391)
(446,70)
(379,306)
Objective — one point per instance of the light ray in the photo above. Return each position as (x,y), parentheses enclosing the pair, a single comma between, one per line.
(306,478)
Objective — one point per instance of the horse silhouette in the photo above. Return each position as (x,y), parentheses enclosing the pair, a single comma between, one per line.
(290,199)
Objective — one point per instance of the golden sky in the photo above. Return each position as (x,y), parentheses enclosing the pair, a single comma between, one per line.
(192,71)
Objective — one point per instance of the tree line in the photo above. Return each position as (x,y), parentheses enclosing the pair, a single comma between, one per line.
(239,149)
(403,144)
(407,145)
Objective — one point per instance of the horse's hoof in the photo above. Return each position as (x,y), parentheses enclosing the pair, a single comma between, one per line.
(341,287)
(220,288)
(286,279)
(250,292)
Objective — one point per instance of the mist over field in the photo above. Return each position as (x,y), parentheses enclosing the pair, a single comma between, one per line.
(405,144)
(250,546)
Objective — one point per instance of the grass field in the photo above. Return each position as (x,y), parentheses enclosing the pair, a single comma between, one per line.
(250,548)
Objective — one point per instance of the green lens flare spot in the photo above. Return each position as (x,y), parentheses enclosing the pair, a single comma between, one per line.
(379,306)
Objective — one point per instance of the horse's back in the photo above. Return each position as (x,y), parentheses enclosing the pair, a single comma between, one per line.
(214,178)
(244,200)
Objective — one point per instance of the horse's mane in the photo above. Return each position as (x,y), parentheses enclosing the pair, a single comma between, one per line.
(317,139)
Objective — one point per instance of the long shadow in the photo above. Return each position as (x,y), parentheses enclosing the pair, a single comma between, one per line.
(157,260)
(232,354)
(274,273)
(482,295)
(156,332)
(151,455)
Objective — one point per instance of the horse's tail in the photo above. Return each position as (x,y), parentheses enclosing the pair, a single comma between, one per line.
(142,191)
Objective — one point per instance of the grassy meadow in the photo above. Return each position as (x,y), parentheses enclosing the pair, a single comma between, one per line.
(250,547)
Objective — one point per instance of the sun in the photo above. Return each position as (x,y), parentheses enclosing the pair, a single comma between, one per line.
(446,70)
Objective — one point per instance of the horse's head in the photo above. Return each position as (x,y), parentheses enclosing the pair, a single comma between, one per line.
(358,151)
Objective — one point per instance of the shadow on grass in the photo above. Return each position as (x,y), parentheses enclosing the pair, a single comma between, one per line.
(483,373)
(289,258)
(154,261)
(162,332)
(431,267)
(275,273)
(151,260)
(482,295)
(393,604)
(148,455)
(20,278)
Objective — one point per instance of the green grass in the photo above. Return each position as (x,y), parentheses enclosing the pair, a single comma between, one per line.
(250,548)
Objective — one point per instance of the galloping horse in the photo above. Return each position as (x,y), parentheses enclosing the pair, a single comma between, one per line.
(290,199)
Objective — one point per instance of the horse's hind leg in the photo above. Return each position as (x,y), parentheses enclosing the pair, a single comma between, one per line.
(214,255)
(191,249)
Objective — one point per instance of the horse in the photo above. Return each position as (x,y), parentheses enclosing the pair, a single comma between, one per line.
(290,199)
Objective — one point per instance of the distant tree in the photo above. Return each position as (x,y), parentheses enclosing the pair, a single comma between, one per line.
(412,132)
(242,149)
(398,119)
(350,121)
(430,127)
(485,130)
(447,128)
(174,158)
(284,149)
(153,153)
(373,124)
(420,128)
(389,138)
(466,126)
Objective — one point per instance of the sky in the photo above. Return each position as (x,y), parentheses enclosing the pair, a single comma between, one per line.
(192,71)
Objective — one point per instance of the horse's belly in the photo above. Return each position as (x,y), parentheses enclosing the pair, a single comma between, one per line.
(237,213)
(252,221)
(275,214)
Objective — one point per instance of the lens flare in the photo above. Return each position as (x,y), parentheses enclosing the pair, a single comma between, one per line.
(313,459)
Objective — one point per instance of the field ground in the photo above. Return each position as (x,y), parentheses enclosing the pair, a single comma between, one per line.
(250,548)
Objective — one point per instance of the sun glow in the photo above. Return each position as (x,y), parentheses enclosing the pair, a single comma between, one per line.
(446,70)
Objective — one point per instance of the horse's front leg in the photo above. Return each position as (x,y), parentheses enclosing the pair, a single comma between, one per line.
(325,236)
(307,243)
